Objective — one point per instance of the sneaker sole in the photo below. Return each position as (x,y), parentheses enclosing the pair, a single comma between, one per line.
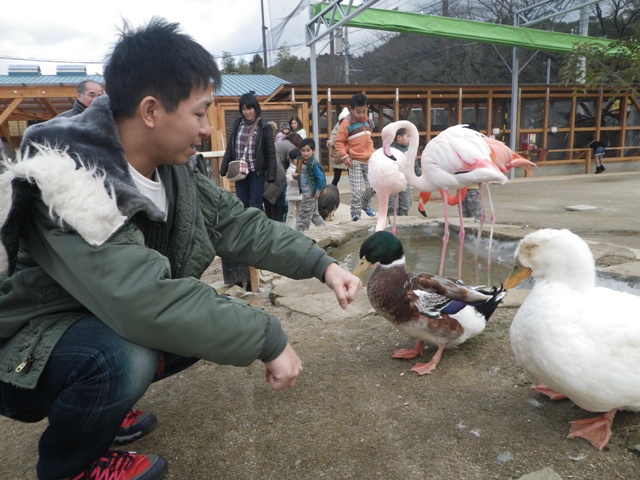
(157,469)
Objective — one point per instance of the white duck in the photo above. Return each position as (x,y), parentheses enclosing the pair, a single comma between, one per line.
(580,340)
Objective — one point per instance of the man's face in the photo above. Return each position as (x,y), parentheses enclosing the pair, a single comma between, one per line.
(92,91)
(176,135)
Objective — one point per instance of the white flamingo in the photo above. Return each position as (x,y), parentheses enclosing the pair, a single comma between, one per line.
(454,159)
(386,173)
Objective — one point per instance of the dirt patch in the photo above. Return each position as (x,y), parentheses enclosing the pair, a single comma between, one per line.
(357,413)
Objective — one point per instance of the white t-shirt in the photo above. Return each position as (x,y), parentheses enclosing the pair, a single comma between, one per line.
(152,189)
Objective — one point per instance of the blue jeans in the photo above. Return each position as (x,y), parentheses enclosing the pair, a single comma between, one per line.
(92,379)
(250,190)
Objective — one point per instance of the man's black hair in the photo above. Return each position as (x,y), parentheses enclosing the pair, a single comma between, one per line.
(156,59)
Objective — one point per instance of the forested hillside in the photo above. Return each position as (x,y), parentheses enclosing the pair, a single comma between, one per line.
(390,58)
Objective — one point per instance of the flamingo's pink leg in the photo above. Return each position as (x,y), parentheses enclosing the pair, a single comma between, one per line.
(493,221)
(395,213)
(483,217)
(460,235)
(445,238)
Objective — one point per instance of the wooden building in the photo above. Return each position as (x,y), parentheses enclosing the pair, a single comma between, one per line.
(556,123)
(555,127)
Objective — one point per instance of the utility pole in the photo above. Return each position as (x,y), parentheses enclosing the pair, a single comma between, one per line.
(346,56)
(314,34)
(264,37)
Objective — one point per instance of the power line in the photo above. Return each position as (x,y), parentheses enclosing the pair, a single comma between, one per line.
(48,60)
(398,4)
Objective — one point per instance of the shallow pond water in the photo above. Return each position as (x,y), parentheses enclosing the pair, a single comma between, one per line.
(422,248)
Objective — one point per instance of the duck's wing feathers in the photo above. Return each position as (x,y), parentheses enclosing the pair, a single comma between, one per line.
(432,294)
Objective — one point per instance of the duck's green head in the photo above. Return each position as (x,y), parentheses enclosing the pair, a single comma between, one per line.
(381,247)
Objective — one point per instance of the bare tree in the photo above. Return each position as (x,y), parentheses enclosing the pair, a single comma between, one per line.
(616,18)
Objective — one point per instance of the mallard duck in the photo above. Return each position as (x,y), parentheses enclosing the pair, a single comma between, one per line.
(580,340)
(433,309)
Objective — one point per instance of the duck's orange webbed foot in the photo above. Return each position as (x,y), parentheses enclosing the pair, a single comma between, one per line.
(596,430)
(408,353)
(552,394)
(427,368)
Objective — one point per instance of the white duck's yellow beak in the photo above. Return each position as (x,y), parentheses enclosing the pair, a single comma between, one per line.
(362,267)
(518,274)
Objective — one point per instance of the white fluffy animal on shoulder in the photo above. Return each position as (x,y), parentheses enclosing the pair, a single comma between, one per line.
(76,196)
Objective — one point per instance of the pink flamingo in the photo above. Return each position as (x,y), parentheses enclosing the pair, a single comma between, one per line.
(424,197)
(454,159)
(386,173)
(505,159)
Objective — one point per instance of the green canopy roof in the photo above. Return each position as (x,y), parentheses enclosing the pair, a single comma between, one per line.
(454,28)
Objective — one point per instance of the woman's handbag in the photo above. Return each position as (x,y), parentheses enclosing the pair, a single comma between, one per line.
(239,169)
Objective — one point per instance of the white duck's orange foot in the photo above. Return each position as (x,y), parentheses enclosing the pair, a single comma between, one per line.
(596,430)
(407,352)
(552,394)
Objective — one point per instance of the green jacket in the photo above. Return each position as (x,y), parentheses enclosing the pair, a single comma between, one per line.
(77,238)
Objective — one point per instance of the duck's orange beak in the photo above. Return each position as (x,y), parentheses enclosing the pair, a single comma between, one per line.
(518,274)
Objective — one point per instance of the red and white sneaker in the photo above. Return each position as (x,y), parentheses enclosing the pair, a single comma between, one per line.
(116,465)
(135,425)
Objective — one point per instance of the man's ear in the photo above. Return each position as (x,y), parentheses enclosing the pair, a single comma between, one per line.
(148,110)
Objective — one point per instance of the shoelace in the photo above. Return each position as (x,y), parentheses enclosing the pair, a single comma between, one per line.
(130,418)
(105,467)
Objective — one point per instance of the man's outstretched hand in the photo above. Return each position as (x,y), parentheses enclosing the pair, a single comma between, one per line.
(344,283)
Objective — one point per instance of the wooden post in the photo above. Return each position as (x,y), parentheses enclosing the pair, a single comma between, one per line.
(254,276)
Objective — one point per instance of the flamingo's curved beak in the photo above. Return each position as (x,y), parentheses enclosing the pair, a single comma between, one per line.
(386,148)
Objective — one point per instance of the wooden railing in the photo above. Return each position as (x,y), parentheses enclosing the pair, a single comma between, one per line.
(582,156)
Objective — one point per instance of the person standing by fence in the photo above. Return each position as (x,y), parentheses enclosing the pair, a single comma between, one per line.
(598,152)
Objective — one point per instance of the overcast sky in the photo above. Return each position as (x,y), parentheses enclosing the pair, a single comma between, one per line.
(49,32)
(46,32)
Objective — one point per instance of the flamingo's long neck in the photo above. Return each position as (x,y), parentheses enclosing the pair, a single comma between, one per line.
(412,151)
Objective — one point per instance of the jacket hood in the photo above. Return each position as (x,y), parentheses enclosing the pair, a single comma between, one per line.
(78,168)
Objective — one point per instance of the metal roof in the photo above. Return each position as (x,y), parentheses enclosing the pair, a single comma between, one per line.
(263,85)
(232,85)
(31,80)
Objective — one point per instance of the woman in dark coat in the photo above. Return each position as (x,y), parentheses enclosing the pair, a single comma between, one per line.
(258,150)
